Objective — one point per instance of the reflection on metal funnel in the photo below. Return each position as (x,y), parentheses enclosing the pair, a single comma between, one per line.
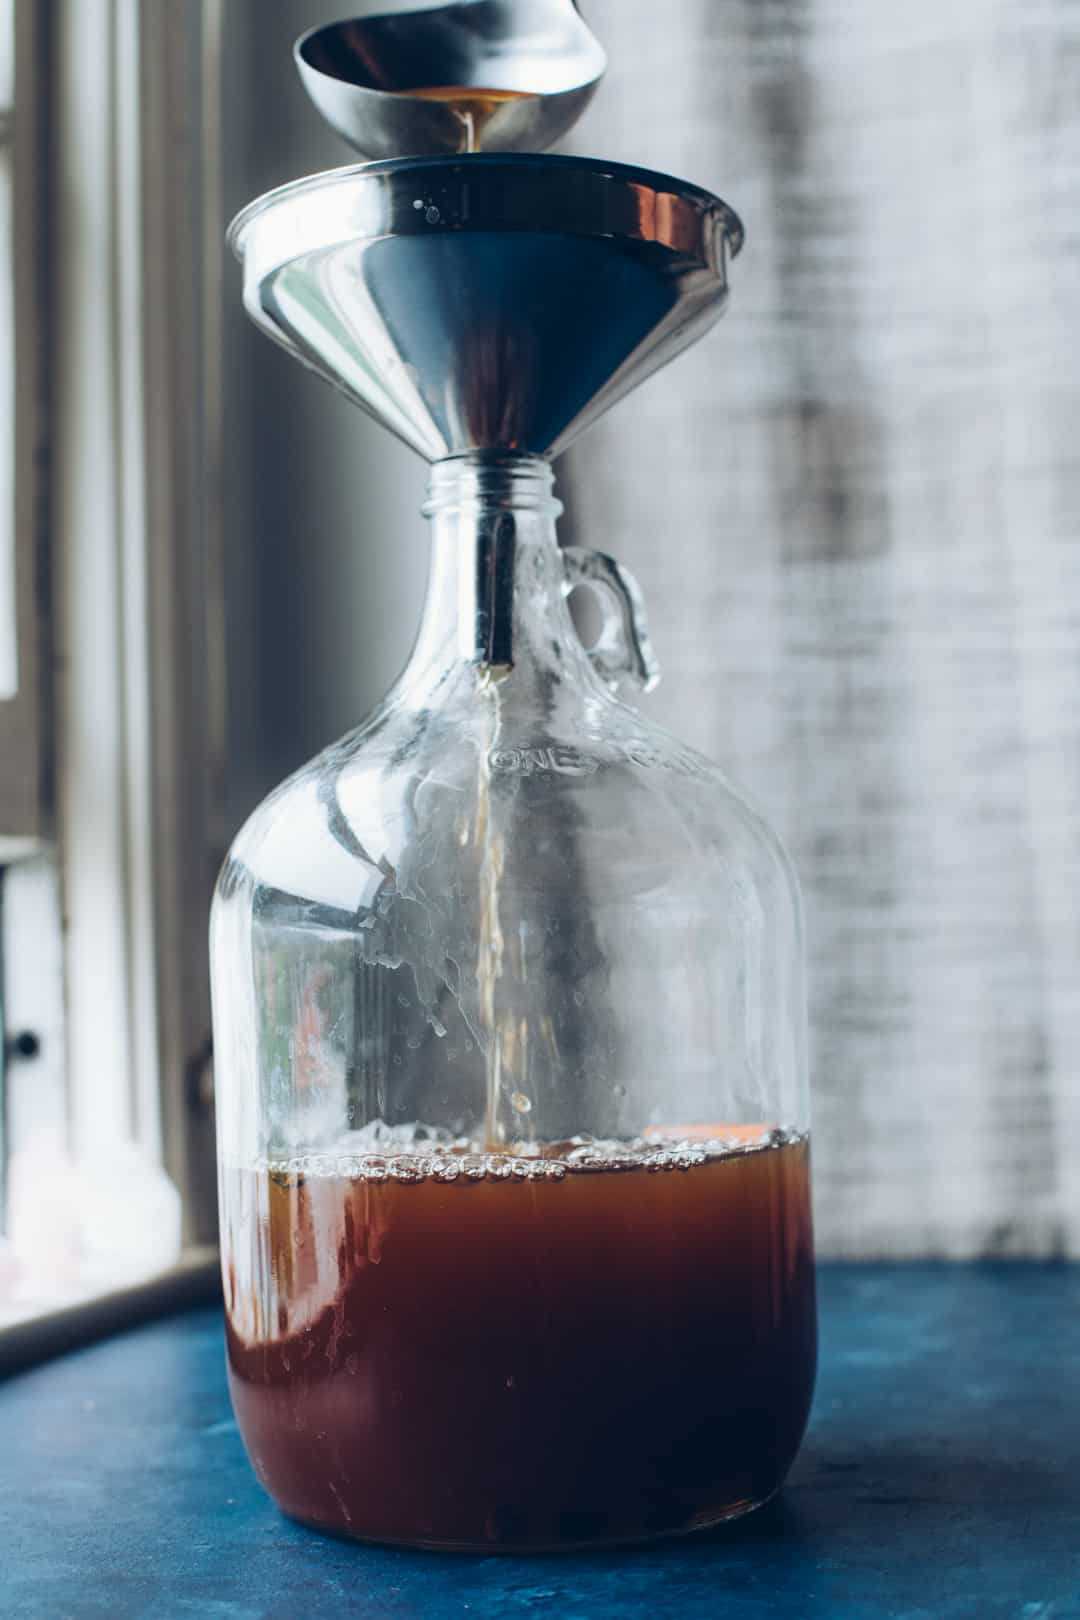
(488,302)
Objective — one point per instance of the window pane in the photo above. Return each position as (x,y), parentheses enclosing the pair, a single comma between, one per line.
(8,663)
(7,53)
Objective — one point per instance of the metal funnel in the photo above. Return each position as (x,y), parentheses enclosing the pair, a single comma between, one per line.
(532,63)
(489,302)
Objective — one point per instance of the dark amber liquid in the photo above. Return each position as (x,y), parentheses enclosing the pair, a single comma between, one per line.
(516,1364)
(473,105)
(475,97)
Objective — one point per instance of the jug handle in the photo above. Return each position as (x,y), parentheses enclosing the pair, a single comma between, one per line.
(623,646)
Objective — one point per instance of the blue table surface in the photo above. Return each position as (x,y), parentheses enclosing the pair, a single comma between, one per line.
(940,1478)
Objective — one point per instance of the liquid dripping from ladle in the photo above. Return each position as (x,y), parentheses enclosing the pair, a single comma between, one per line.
(473,106)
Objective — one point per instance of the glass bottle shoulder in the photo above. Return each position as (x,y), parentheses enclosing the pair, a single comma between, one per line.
(426,785)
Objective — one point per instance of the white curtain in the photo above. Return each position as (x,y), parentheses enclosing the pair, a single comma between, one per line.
(855,511)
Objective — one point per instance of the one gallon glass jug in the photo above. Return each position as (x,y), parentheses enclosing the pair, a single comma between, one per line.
(508,983)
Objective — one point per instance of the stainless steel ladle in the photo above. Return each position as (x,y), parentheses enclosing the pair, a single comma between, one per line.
(539,53)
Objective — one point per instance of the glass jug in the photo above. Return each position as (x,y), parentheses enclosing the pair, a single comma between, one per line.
(509,1018)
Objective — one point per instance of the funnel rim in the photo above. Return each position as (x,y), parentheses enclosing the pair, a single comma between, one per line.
(628,174)
(489,301)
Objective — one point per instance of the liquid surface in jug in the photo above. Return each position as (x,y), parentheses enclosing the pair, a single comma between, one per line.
(594,1343)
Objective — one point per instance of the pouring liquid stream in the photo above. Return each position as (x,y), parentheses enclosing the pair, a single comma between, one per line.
(498,1030)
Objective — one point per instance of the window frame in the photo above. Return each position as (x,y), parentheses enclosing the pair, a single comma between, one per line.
(26,719)
(115,814)
(142,688)
(182,239)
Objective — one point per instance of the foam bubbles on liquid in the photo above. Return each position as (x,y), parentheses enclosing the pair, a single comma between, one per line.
(414,1153)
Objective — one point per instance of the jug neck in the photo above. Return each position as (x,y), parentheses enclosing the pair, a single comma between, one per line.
(497,591)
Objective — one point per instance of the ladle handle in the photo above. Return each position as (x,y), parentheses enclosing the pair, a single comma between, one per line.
(623,647)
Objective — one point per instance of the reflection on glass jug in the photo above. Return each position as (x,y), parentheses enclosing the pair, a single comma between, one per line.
(508,983)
